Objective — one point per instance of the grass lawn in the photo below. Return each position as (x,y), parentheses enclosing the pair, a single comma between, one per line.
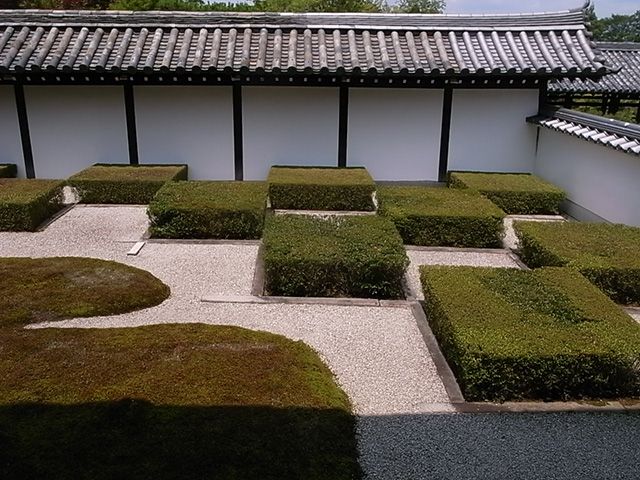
(169,402)
(46,289)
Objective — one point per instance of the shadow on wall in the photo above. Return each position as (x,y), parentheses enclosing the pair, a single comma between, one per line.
(137,440)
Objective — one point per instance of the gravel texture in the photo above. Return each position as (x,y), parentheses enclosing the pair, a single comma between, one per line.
(452,257)
(377,354)
(510,239)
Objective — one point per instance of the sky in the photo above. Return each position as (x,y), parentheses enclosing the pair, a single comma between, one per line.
(604,8)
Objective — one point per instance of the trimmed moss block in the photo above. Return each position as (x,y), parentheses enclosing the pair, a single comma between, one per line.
(26,203)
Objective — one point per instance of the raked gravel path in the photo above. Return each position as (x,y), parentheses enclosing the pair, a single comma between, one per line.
(377,354)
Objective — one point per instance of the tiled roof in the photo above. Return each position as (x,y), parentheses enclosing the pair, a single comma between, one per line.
(618,55)
(603,131)
(545,44)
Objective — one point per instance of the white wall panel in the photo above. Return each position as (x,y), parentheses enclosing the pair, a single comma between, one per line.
(10,147)
(192,125)
(73,127)
(289,126)
(489,130)
(395,133)
(600,179)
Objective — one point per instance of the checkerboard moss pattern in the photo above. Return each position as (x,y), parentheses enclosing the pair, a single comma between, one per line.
(351,256)
(608,255)
(321,188)
(124,184)
(545,334)
(26,203)
(209,209)
(515,193)
(432,216)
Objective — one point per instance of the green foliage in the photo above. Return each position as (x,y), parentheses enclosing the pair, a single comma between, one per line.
(124,184)
(544,334)
(617,28)
(25,204)
(48,289)
(180,5)
(418,6)
(624,114)
(169,402)
(8,170)
(334,257)
(442,217)
(515,193)
(199,209)
(318,188)
(608,255)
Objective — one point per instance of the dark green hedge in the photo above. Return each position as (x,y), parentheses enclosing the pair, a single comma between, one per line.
(198,209)
(608,255)
(515,193)
(25,204)
(544,334)
(434,216)
(359,256)
(320,188)
(124,184)
(8,170)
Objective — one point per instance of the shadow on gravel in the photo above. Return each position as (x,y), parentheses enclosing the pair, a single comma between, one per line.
(134,440)
(509,446)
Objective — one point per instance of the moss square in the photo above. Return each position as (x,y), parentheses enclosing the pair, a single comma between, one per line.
(346,256)
(321,188)
(545,334)
(208,209)
(433,216)
(124,184)
(25,204)
(515,193)
(608,255)
(8,170)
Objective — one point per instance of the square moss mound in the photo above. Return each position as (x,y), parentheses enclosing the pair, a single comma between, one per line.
(515,193)
(333,257)
(8,170)
(545,334)
(199,209)
(608,255)
(432,216)
(25,204)
(124,184)
(321,188)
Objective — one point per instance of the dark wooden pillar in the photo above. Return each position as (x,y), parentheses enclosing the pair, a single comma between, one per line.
(25,135)
(445,133)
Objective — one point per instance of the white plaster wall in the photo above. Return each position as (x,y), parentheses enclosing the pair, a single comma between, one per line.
(395,133)
(192,125)
(489,130)
(10,146)
(73,127)
(289,126)
(597,178)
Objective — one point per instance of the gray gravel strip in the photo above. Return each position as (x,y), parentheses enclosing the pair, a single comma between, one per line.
(473,259)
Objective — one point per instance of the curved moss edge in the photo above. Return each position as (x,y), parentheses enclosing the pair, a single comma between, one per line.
(55,288)
(220,401)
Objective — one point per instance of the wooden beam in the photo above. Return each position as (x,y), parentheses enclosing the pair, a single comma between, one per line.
(132,134)
(343,124)
(25,136)
(445,133)
(237,133)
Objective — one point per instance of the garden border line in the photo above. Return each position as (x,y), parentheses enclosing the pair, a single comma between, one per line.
(56,216)
(325,213)
(257,285)
(326,301)
(513,255)
(493,251)
(201,241)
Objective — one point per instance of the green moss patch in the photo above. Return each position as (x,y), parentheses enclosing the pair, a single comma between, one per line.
(434,216)
(335,257)
(198,209)
(170,402)
(25,204)
(515,193)
(544,334)
(321,188)
(47,289)
(608,255)
(124,184)
(8,170)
